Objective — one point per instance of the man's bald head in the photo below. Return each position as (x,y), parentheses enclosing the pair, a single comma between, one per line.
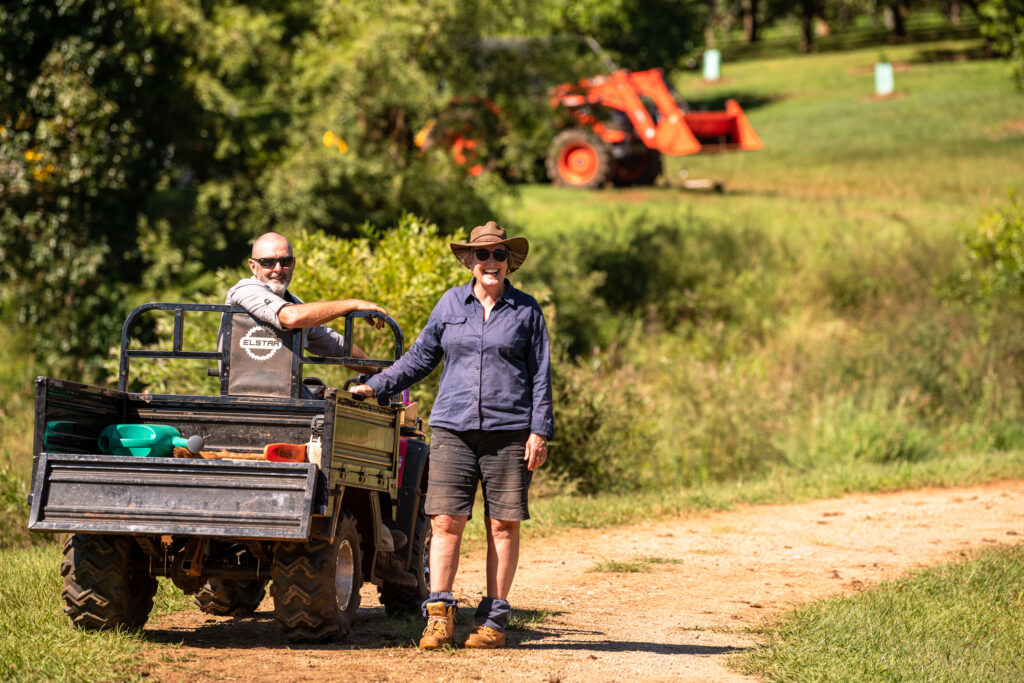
(271,244)
(278,262)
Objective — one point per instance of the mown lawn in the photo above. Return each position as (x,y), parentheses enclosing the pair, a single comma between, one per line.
(960,622)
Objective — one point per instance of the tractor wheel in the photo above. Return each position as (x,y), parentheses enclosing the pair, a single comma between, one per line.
(578,158)
(316,585)
(638,169)
(230,596)
(101,587)
(404,599)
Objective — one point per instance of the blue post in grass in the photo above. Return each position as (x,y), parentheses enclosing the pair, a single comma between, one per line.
(712,62)
(883,78)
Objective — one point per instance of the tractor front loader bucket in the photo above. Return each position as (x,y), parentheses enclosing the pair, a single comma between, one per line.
(723,130)
(673,130)
(675,138)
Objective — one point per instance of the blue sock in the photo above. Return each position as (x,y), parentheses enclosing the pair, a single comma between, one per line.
(493,612)
(447,598)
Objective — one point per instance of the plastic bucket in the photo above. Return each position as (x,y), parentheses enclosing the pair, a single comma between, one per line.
(145,441)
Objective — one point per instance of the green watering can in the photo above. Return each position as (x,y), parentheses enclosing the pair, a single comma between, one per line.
(145,441)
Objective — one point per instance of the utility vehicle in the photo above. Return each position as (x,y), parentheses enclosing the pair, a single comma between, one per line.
(224,523)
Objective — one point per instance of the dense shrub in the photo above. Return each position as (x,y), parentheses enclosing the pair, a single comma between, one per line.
(1002,23)
(853,352)
(669,273)
(405,269)
(996,250)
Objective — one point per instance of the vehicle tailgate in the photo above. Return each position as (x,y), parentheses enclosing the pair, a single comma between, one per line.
(119,494)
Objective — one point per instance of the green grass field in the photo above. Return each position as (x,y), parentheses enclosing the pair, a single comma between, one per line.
(831,362)
(954,623)
(37,642)
(944,148)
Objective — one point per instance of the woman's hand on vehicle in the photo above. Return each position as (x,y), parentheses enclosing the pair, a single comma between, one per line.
(536,451)
(363,390)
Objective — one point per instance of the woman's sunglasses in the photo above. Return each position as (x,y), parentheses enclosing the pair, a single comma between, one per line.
(482,255)
(268,263)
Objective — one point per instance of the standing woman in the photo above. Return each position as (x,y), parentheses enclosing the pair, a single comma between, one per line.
(490,424)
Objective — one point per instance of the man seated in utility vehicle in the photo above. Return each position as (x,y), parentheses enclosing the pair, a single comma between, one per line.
(266,297)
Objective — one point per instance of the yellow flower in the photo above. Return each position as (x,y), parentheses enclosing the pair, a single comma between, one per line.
(424,133)
(332,140)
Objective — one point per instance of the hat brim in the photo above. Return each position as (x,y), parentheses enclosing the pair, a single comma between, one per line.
(517,247)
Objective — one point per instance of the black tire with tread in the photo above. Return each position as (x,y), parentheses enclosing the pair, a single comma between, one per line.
(230,596)
(578,137)
(101,590)
(399,600)
(308,605)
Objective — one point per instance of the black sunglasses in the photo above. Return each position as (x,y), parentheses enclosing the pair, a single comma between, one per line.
(268,263)
(482,255)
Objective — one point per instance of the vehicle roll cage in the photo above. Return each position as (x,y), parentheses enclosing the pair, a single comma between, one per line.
(295,339)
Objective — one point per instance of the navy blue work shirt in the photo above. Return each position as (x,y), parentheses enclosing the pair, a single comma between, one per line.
(497,374)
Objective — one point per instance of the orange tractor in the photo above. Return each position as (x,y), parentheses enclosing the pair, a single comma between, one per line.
(619,126)
(626,121)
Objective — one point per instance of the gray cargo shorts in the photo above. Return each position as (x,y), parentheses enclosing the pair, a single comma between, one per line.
(459,460)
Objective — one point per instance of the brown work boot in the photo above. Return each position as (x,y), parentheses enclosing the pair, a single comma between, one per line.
(485,638)
(440,626)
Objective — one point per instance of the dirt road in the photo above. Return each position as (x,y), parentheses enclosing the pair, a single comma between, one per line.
(718,575)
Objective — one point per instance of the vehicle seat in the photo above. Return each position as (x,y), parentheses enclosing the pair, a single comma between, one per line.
(261,359)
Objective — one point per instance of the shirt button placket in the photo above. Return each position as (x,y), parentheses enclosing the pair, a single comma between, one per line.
(480,375)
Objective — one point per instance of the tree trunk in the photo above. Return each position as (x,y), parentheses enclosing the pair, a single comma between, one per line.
(808,8)
(750,25)
(954,12)
(894,14)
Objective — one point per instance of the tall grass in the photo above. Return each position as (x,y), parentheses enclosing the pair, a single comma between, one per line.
(16,424)
(742,352)
(953,623)
(37,641)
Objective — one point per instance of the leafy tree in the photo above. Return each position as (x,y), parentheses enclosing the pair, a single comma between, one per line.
(366,78)
(145,143)
(640,34)
(92,111)
(1002,23)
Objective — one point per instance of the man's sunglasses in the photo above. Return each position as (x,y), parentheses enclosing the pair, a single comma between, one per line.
(482,255)
(268,263)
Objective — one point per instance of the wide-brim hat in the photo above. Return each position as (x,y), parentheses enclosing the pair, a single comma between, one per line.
(490,235)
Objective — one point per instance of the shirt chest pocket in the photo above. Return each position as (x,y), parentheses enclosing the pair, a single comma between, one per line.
(454,330)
